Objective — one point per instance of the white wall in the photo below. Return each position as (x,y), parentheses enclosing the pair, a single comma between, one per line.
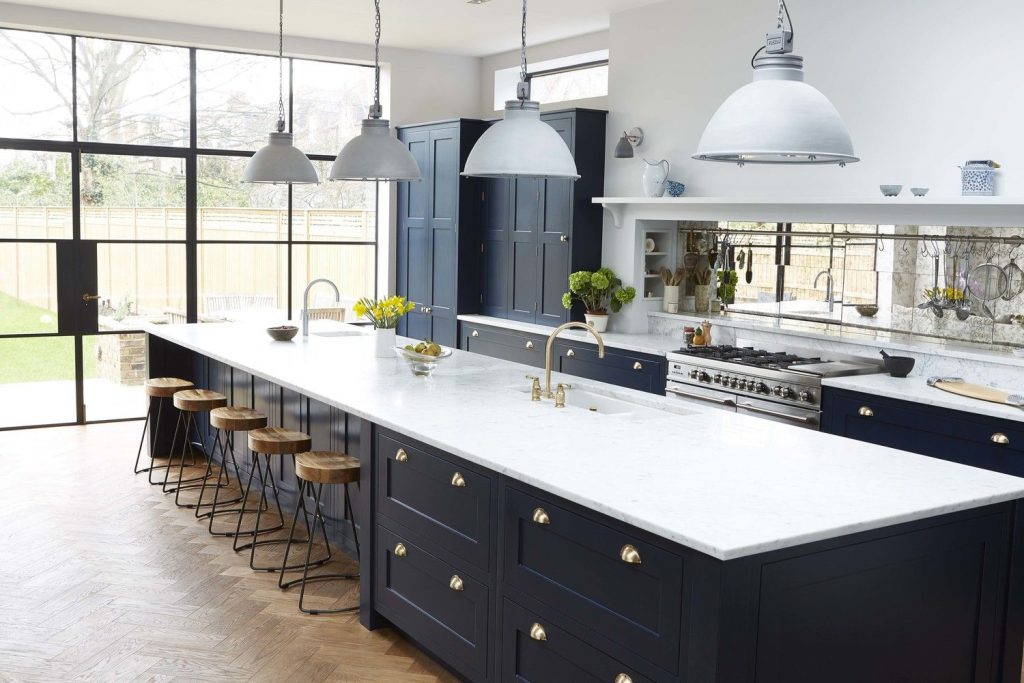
(423,86)
(922,84)
(538,53)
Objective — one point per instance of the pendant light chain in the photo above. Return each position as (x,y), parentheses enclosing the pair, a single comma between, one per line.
(280,68)
(375,110)
(522,52)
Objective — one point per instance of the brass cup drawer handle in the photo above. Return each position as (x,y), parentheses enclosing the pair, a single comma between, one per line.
(1000,439)
(476,333)
(629,554)
(864,411)
(400,550)
(540,516)
(638,366)
(458,481)
(456,583)
(623,678)
(571,354)
(537,632)
(529,346)
(401,455)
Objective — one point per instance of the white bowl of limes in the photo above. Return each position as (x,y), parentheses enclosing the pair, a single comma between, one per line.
(422,357)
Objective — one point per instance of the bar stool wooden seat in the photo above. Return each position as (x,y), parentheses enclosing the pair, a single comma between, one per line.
(264,443)
(226,420)
(189,402)
(313,470)
(158,390)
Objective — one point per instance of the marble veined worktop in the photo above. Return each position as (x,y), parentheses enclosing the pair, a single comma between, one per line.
(724,484)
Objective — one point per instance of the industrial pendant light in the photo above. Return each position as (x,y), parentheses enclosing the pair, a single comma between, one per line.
(778,118)
(521,145)
(279,161)
(375,154)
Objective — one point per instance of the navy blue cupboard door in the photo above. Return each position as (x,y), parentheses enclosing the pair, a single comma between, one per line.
(494,248)
(413,249)
(523,287)
(444,222)
(554,236)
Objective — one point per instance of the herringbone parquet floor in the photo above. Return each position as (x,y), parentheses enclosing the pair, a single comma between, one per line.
(103,578)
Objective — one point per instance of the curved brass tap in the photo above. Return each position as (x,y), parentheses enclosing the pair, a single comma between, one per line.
(551,343)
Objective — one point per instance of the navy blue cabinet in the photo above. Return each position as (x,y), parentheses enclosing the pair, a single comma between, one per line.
(439,230)
(966,438)
(496,342)
(538,231)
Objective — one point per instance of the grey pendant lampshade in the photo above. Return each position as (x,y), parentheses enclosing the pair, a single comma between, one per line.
(375,154)
(521,145)
(777,118)
(279,161)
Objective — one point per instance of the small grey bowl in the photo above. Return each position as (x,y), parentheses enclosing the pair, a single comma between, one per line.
(919,191)
(890,190)
(867,310)
(283,332)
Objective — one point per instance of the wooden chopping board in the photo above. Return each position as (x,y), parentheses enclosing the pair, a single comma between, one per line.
(977,391)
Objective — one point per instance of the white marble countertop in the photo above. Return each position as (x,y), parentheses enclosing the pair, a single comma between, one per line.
(916,389)
(724,484)
(654,344)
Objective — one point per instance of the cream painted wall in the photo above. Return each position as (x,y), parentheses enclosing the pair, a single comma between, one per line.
(922,84)
(538,53)
(423,86)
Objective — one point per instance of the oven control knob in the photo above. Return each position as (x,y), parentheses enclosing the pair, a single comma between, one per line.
(718,379)
(704,377)
(781,391)
(762,388)
(805,396)
(693,374)
(733,382)
(743,384)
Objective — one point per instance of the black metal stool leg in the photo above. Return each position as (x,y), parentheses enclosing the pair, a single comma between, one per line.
(276,541)
(170,453)
(241,499)
(190,446)
(300,504)
(223,481)
(322,577)
(145,425)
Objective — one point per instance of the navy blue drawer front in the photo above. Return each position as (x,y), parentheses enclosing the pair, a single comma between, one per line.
(434,602)
(577,567)
(621,368)
(519,347)
(444,503)
(535,650)
(952,435)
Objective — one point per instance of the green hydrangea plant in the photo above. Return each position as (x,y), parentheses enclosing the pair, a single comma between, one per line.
(599,291)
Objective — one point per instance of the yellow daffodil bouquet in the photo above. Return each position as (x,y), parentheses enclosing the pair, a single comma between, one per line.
(383,313)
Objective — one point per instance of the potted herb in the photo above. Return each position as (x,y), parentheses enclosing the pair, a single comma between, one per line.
(600,292)
(384,314)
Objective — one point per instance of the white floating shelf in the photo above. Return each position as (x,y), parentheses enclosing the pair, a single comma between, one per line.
(988,212)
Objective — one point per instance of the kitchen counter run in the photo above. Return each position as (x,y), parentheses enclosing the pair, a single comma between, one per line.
(723,484)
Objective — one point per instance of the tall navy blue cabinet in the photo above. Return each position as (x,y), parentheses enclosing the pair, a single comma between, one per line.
(535,232)
(438,249)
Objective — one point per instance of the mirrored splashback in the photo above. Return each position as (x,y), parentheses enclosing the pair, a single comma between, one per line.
(957,283)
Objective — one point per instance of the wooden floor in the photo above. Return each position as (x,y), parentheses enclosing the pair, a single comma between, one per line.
(103,578)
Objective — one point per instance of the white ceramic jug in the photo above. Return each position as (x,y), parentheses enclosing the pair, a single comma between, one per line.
(655,177)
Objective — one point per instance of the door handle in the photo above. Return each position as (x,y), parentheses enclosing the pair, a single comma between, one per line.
(571,353)
(563,238)
(425,310)
(90,297)
(775,413)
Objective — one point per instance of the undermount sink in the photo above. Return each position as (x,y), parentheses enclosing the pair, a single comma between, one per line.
(599,404)
(338,333)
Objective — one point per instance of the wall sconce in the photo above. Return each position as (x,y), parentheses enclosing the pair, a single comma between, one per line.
(634,137)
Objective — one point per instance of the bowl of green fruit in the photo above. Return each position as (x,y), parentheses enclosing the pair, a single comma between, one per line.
(422,357)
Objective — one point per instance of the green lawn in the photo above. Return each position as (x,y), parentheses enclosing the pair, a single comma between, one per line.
(40,358)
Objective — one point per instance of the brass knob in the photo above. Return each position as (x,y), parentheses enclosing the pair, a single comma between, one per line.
(638,365)
(537,632)
(401,455)
(476,333)
(400,550)
(90,297)
(571,353)
(629,554)
(458,481)
(541,517)
(563,238)
(425,310)
(623,678)
(864,411)
(456,583)
(529,345)
(1000,438)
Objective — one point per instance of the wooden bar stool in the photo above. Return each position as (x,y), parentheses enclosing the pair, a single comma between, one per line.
(265,443)
(229,419)
(313,470)
(189,402)
(158,390)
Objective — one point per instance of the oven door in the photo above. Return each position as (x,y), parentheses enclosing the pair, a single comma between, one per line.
(777,412)
(713,397)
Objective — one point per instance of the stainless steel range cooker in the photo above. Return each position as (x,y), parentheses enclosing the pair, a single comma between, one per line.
(779,386)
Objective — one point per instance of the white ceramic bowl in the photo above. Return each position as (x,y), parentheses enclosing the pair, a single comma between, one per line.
(919,191)
(890,190)
(421,364)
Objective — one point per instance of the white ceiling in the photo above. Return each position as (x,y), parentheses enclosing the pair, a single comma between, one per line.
(452,26)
